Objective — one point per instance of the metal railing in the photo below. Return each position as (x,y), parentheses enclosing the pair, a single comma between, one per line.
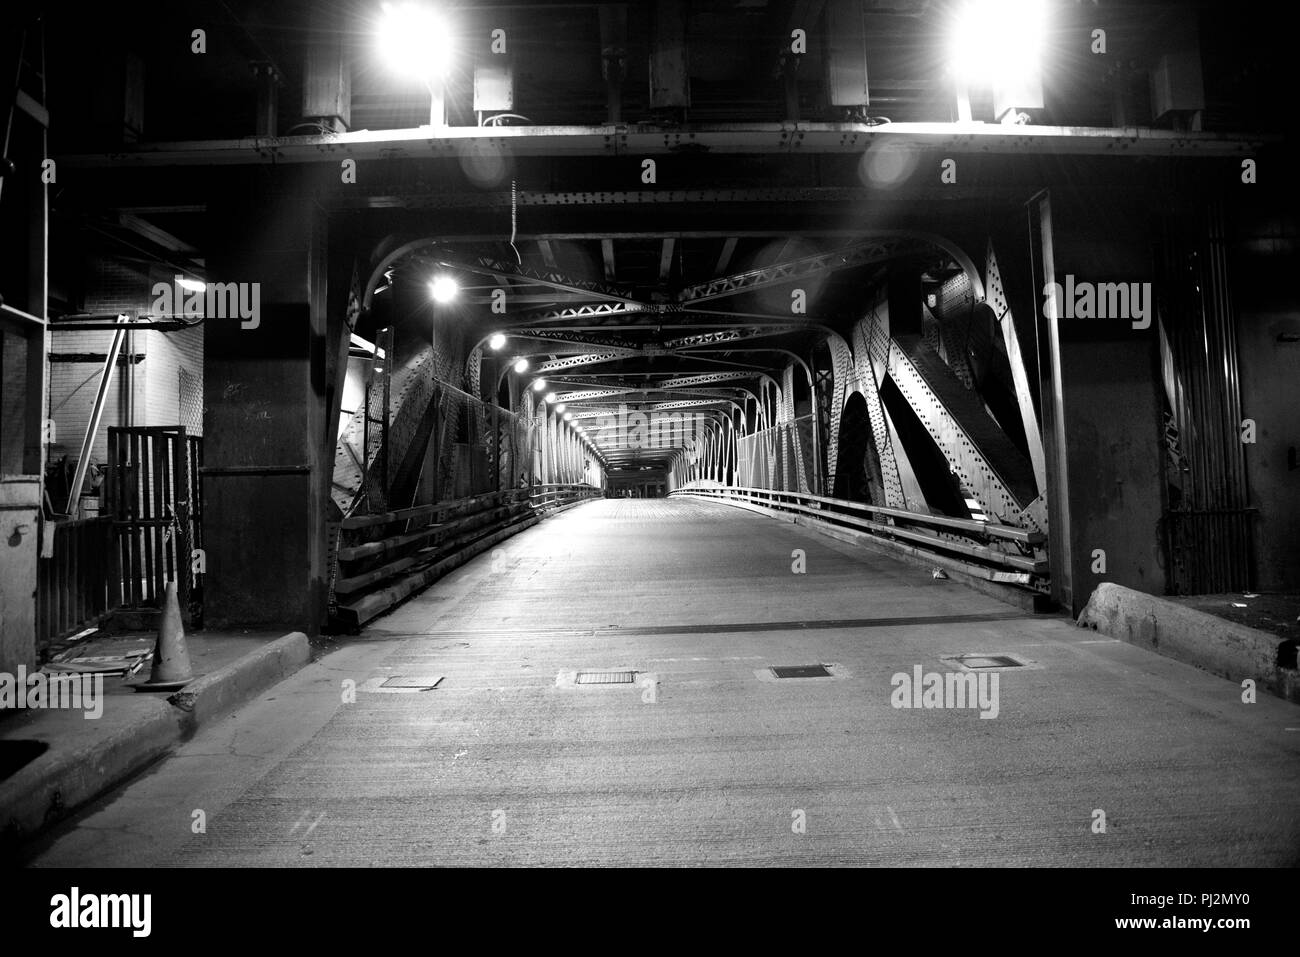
(79,582)
(557,495)
(1001,553)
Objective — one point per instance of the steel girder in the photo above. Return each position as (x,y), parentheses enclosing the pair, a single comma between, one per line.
(997,299)
(652,140)
(554,279)
(988,464)
(864,253)
(729,335)
(707,378)
(586,359)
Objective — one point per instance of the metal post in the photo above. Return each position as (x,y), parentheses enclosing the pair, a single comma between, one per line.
(96,414)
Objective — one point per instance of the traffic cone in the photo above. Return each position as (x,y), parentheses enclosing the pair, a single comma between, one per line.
(171,659)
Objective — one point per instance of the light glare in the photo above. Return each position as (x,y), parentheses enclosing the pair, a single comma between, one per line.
(443,289)
(997,42)
(414,40)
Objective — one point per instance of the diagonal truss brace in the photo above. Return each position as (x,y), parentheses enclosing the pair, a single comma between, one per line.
(846,257)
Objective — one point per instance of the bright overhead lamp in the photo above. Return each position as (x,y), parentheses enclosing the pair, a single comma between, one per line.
(444,289)
(550,397)
(539,385)
(497,341)
(568,416)
(414,40)
(560,407)
(521,365)
(998,45)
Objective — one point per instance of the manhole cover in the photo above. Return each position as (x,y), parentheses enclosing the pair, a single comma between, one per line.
(606,677)
(415,682)
(801,671)
(976,662)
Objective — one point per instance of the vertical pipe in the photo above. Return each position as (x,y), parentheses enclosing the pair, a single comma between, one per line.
(92,427)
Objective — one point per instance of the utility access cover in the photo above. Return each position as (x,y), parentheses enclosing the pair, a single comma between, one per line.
(606,677)
(413,682)
(978,662)
(801,671)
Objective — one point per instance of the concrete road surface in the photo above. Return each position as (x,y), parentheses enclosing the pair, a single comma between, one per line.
(1099,754)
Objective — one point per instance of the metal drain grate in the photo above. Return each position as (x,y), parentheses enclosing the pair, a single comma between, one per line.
(606,677)
(979,662)
(801,671)
(414,682)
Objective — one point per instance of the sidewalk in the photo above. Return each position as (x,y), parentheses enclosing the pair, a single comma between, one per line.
(1208,631)
(78,757)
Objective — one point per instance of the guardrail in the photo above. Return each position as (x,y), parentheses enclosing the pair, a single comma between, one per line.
(558,495)
(999,553)
(80,582)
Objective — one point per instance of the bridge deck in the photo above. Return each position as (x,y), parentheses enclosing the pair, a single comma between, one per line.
(706,757)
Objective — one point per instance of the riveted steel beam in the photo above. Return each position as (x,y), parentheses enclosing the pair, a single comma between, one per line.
(551,278)
(650,139)
(878,249)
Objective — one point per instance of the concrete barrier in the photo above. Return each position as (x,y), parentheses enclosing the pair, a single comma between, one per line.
(101,755)
(60,780)
(1221,647)
(227,688)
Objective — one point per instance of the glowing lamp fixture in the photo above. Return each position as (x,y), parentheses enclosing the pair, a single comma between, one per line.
(413,40)
(998,45)
(443,289)
(521,365)
(539,385)
(497,341)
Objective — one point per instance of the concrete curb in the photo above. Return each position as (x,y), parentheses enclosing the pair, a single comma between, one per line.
(227,688)
(58,782)
(1213,644)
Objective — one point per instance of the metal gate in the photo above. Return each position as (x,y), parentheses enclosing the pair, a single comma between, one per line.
(153,498)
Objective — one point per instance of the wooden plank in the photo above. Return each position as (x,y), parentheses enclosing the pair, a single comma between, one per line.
(133,509)
(354,583)
(361,611)
(157,456)
(434,512)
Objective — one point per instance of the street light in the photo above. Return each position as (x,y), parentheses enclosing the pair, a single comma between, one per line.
(539,385)
(444,289)
(997,45)
(550,397)
(521,366)
(497,341)
(416,41)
